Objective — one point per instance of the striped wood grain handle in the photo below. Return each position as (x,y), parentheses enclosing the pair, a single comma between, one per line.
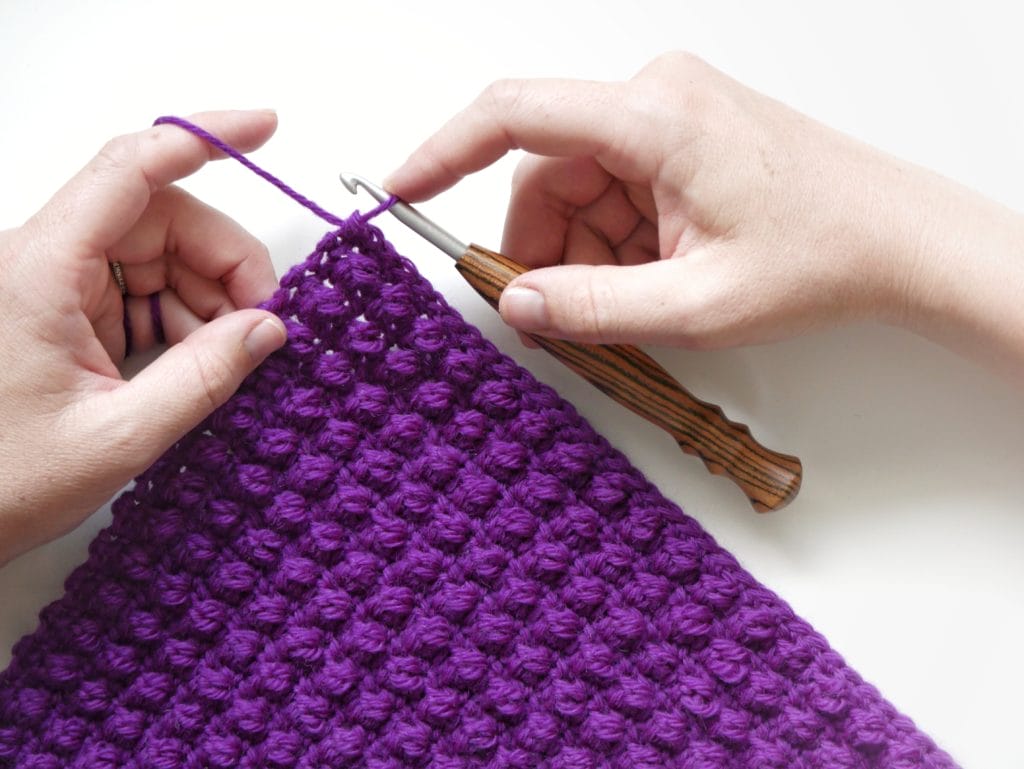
(630,376)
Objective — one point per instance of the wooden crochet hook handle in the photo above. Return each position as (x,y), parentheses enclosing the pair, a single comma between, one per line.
(633,378)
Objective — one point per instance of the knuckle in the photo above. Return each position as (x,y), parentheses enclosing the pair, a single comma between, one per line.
(677,100)
(597,306)
(261,253)
(700,105)
(675,65)
(687,79)
(503,96)
(685,61)
(118,152)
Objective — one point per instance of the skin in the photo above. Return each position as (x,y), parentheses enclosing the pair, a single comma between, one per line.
(678,207)
(682,208)
(74,431)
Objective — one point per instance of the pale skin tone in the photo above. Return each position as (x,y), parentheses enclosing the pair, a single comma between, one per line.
(682,208)
(74,431)
(678,207)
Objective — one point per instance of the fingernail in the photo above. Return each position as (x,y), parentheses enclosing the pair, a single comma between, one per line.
(389,180)
(265,337)
(524,308)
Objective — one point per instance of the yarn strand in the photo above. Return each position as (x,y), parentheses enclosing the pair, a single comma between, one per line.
(288,190)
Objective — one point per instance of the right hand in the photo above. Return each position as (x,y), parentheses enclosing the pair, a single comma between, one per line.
(682,208)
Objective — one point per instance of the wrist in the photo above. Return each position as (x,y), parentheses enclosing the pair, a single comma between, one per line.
(961,282)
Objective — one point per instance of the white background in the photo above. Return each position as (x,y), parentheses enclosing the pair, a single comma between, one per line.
(904,547)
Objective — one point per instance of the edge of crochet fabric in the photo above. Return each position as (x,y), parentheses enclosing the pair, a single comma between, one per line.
(393,547)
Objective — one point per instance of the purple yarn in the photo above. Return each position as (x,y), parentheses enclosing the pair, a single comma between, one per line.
(394,547)
(230,151)
(156,317)
(127,323)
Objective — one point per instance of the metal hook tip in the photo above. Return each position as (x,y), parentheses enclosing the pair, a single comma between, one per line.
(408,215)
(351,181)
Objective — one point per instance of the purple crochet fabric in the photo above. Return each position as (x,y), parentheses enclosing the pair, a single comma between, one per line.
(395,548)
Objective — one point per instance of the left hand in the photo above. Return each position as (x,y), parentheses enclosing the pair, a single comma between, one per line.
(73,431)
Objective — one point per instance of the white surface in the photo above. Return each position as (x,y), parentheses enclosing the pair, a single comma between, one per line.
(905,545)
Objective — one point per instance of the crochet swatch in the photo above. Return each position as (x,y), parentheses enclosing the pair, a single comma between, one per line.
(393,547)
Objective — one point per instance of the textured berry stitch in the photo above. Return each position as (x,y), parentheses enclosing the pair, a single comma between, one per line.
(395,548)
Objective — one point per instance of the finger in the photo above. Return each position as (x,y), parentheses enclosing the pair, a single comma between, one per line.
(585,245)
(169,322)
(586,248)
(142,417)
(613,217)
(101,203)
(610,230)
(546,192)
(208,243)
(640,246)
(545,117)
(527,340)
(168,316)
(206,298)
(657,302)
(554,197)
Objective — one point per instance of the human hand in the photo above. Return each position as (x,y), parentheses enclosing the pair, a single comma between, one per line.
(685,209)
(73,430)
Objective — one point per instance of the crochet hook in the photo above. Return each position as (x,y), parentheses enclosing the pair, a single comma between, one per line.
(628,375)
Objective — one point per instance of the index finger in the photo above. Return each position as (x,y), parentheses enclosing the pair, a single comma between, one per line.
(545,117)
(101,203)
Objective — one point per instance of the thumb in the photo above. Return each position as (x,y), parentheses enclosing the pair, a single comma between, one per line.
(647,303)
(192,378)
